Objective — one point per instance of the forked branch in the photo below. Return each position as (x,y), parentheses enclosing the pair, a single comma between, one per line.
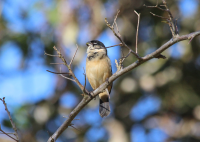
(117,34)
(86,99)
(169,20)
(59,54)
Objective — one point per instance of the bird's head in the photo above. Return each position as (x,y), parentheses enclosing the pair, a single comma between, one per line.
(96,46)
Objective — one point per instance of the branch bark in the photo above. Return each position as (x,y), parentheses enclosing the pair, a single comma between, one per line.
(11,121)
(86,99)
(140,60)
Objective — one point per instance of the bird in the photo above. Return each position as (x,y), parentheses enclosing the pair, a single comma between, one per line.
(98,70)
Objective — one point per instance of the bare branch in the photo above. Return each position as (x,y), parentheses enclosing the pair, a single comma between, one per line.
(103,86)
(7,134)
(66,77)
(191,38)
(57,63)
(11,121)
(159,16)
(138,24)
(74,55)
(115,23)
(50,54)
(156,6)
(119,36)
(85,81)
(69,68)
(173,26)
(58,72)
(86,99)
(74,127)
(114,45)
(123,43)
(170,19)
(123,58)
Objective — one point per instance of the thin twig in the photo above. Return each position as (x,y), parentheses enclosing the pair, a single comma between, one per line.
(7,134)
(159,16)
(170,20)
(116,23)
(71,125)
(176,26)
(191,39)
(50,54)
(123,58)
(123,43)
(138,24)
(57,63)
(58,72)
(114,45)
(69,68)
(66,77)
(156,6)
(173,28)
(74,127)
(85,82)
(115,19)
(74,55)
(11,121)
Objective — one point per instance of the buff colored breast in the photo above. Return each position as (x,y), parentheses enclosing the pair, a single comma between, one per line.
(97,71)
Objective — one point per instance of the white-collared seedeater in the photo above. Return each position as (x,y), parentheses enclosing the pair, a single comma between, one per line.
(98,70)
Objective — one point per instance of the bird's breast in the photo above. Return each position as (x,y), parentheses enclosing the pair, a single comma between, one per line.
(97,71)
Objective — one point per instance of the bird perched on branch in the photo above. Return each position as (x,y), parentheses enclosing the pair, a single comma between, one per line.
(98,70)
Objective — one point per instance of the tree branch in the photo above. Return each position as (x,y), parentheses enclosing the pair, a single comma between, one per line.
(73,56)
(138,24)
(11,121)
(70,70)
(119,36)
(86,99)
(170,20)
(7,134)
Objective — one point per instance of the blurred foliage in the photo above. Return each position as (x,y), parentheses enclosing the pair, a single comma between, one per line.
(158,101)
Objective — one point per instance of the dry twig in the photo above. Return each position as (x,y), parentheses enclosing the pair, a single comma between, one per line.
(74,55)
(85,82)
(7,134)
(86,99)
(119,36)
(114,45)
(138,24)
(11,121)
(170,20)
(50,54)
(58,72)
(66,77)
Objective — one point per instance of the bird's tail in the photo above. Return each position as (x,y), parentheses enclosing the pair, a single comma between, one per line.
(104,108)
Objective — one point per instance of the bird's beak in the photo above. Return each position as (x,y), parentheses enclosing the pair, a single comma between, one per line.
(88,43)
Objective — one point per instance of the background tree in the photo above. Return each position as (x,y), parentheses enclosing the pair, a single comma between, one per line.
(156,102)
